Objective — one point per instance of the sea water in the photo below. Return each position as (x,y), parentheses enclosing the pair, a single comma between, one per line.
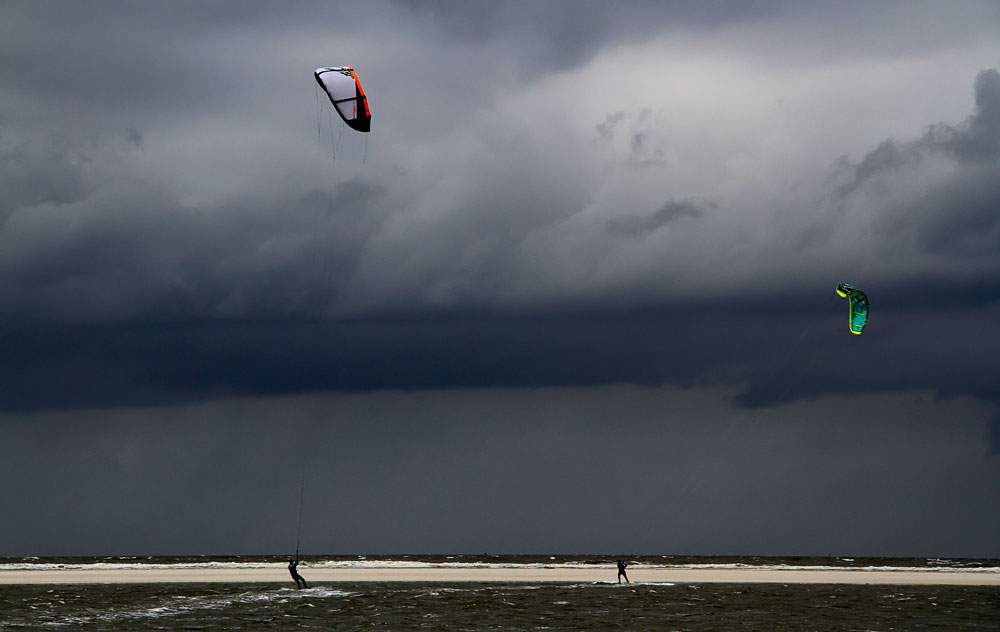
(500,606)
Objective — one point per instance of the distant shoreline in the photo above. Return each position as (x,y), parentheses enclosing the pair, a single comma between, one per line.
(533,574)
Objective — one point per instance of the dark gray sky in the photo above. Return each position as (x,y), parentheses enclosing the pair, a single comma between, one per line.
(574,292)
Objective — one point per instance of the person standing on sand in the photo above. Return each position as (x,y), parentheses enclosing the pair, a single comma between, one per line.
(621,571)
(295,574)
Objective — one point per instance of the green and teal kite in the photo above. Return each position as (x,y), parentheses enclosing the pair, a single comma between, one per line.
(858,306)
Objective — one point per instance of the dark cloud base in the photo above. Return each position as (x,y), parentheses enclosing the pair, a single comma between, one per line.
(781,349)
(73,366)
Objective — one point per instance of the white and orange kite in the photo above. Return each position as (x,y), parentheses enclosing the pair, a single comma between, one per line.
(342,86)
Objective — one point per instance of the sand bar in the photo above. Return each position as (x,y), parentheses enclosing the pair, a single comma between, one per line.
(590,574)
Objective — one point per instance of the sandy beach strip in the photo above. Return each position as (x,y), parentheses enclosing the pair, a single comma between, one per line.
(595,574)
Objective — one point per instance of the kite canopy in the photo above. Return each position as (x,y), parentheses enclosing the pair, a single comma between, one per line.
(858,305)
(342,86)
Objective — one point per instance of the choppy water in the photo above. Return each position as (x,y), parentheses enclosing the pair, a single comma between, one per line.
(475,606)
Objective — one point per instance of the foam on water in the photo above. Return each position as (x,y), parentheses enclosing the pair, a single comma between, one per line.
(34,564)
(180,605)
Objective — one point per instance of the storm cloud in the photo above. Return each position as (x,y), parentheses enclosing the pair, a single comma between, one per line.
(558,203)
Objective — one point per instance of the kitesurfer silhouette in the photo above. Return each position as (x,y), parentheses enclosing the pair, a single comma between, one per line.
(621,571)
(295,574)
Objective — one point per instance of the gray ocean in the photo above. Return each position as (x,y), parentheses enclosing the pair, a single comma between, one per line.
(444,606)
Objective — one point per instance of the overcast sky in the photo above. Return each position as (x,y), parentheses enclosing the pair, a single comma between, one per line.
(573,293)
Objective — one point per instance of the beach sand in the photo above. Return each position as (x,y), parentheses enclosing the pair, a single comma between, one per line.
(498,575)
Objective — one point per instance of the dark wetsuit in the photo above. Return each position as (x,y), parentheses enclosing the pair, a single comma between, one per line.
(621,571)
(295,574)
